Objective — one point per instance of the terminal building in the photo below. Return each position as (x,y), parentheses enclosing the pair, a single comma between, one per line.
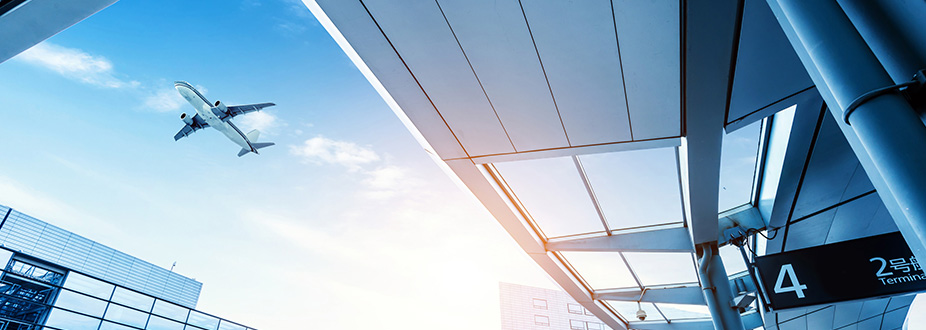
(55,279)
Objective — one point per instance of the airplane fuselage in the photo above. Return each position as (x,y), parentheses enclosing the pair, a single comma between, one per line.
(211,114)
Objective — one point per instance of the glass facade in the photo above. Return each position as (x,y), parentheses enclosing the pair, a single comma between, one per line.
(38,292)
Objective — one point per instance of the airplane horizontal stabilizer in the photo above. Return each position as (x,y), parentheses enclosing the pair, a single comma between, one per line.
(262,144)
(243,151)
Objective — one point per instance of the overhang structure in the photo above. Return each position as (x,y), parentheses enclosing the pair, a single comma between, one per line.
(623,143)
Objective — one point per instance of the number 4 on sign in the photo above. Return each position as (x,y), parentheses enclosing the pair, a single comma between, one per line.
(795,287)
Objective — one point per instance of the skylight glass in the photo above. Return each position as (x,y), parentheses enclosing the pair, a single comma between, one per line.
(662,268)
(681,312)
(732,259)
(636,188)
(738,166)
(628,310)
(554,195)
(601,270)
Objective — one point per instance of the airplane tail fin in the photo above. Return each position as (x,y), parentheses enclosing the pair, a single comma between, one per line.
(253,135)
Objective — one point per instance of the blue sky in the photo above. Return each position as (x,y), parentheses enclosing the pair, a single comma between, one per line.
(345,223)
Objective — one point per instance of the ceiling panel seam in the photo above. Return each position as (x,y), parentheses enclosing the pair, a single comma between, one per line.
(544,70)
(620,65)
(735,51)
(800,182)
(591,194)
(769,105)
(407,68)
(452,32)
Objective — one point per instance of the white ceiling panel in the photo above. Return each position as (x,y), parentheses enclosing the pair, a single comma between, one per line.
(496,41)
(648,34)
(378,55)
(578,49)
(431,52)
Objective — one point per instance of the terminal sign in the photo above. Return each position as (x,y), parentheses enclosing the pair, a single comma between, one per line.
(874,266)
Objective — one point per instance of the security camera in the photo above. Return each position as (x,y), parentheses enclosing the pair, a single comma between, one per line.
(641,314)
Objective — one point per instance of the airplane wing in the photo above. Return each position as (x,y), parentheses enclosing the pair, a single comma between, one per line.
(243,109)
(198,124)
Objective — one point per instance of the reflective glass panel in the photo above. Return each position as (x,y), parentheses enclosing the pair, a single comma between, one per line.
(113,326)
(601,270)
(126,315)
(677,311)
(66,320)
(80,303)
(738,166)
(158,323)
(225,325)
(132,299)
(553,193)
(636,188)
(662,268)
(84,284)
(170,311)
(202,320)
(628,310)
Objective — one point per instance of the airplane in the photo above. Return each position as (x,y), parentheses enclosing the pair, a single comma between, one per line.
(217,115)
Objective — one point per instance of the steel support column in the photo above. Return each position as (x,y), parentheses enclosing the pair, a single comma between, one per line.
(891,138)
(716,288)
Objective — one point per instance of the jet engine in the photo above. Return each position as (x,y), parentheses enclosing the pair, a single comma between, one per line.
(221,106)
(187,119)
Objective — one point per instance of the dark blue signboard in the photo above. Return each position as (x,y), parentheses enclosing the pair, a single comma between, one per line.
(874,266)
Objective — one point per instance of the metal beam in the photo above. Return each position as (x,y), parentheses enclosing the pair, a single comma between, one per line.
(689,294)
(663,240)
(751,320)
(745,216)
(685,294)
(579,150)
(34,21)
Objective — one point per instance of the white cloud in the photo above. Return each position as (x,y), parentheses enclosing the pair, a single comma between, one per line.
(260,120)
(165,100)
(323,150)
(388,181)
(75,64)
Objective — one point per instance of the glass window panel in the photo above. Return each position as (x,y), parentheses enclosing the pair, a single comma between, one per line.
(80,303)
(132,299)
(594,326)
(170,311)
(662,268)
(738,166)
(540,303)
(636,188)
(628,310)
(541,320)
(84,284)
(5,256)
(576,325)
(574,308)
(732,259)
(113,326)
(62,319)
(226,325)
(203,320)
(774,159)
(601,270)
(553,193)
(126,315)
(677,312)
(159,323)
